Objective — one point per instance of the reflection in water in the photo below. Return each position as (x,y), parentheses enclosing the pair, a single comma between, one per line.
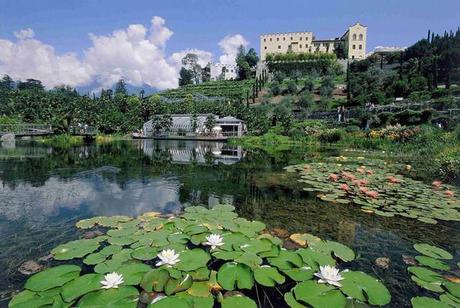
(44,191)
(184,151)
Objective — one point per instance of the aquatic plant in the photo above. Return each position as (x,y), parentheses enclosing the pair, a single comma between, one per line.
(202,257)
(378,188)
(433,273)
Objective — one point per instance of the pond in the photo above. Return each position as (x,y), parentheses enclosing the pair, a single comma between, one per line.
(46,190)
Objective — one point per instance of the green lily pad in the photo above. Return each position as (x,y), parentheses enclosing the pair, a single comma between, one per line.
(300,274)
(52,278)
(121,297)
(433,251)
(250,259)
(453,288)
(227,255)
(27,299)
(268,276)
(286,260)
(238,301)
(80,286)
(425,274)
(434,286)
(291,301)
(171,301)
(133,273)
(144,253)
(318,295)
(232,276)
(75,249)
(193,259)
(339,250)
(108,266)
(155,280)
(363,287)
(433,263)
(94,258)
(177,285)
(427,302)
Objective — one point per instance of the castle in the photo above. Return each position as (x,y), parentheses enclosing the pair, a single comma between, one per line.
(353,42)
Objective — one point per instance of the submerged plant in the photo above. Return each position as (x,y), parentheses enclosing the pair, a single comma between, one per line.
(152,261)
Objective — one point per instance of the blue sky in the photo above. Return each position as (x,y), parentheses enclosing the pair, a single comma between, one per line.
(65,24)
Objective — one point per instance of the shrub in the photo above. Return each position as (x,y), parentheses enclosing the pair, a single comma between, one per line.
(330,135)
(275,88)
(439,92)
(292,87)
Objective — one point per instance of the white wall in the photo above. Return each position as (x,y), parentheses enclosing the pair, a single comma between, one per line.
(216,71)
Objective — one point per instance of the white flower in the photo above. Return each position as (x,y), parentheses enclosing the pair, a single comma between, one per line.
(329,274)
(168,257)
(214,240)
(112,280)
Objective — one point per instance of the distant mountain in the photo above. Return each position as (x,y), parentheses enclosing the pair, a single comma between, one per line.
(148,90)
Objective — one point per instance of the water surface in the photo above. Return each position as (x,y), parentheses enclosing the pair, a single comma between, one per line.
(45,190)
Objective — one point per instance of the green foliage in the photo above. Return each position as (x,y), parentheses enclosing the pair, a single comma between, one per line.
(201,272)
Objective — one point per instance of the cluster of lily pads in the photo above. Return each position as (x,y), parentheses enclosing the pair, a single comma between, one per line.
(434,274)
(203,258)
(371,185)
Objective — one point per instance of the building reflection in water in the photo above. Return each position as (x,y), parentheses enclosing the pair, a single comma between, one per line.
(201,152)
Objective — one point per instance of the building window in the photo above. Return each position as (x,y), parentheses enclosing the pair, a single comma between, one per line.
(279,46)
(265,47)
(360,46)
(354,46)
(300,46)
(292,38)
(300,38)
(265,40)
(284,38)
(270,39)
(353,57)
(360,37)
(278,39)
(354,37)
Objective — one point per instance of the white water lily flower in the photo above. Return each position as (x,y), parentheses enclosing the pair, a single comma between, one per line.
(168,257)
(329,274)
(214,240)
(112,280)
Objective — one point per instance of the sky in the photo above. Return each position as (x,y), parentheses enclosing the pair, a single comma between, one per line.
(96,42)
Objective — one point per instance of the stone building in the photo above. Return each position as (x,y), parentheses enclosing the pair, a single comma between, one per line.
(220,71)
(354,42)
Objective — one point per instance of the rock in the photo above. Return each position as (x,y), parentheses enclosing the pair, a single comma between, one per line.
(7,138)
(383,262)
(92,234)
(45,258)
(279,232)
(409,260)
(147,297)
(9,145)
(30,267)
(290,245)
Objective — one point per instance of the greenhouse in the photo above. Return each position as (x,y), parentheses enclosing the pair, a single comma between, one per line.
(207,126)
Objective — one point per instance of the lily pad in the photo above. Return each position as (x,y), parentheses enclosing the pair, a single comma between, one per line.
(427,302)
(121,297)
(363,287)
(52,278)
(286,260)
(80,286)
(268,276)
(433,251)
(238,301)
(75,249)
(433,263)
(319,295)
(232,276)
(193,259)
(171,301)
(155,280)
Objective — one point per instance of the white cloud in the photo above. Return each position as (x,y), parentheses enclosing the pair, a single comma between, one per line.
(204,57)
(136,53)
(229,46)
(24,34)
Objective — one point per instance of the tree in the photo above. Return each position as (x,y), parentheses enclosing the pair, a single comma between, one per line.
(120,88)
(252,58)
(210,122)
(190,62)
(6,83)
(244,67)
(340,51)
(31,84)
(185,77)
